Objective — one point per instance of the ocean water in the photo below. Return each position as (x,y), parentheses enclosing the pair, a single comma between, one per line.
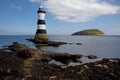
(102,46)
(9,39)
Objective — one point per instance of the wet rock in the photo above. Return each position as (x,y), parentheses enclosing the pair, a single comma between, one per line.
(102,66)
(66,58)
(92,57)
(110,60)
(71,43)
(78,60)
(55,44)
(85,66)
(34,41)
(99,65)
(105,66)
(78,43)
(25,53)
(48,43)
(16,47)
(53,78)
(76,56)
(62,58)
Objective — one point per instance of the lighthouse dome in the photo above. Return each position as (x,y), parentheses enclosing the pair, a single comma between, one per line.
(41,7)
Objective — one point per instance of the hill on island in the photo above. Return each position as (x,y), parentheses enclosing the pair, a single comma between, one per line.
(88,32)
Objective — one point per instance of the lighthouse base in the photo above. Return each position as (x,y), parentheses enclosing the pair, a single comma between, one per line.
(39,43)
(42,37)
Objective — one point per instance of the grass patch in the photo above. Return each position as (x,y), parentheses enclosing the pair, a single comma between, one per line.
(28,62)
(38,54)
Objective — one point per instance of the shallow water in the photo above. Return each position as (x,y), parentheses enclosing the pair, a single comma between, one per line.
(102,46)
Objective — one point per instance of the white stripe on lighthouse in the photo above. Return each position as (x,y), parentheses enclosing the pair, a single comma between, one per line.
(41,16)
(40,26)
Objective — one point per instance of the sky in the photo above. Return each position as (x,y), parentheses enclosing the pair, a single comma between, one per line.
(63,17)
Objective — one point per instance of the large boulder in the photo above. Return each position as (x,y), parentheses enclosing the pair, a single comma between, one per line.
(26,53)
(92,57)
(66,58)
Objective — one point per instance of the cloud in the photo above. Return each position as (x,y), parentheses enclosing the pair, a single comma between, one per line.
(16,7)
(80,10)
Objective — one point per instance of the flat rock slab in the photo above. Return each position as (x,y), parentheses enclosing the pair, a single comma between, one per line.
(47,43)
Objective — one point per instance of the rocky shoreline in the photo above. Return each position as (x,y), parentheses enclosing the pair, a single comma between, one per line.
(19,62)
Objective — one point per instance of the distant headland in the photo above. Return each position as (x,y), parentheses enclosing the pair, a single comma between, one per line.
(89,32)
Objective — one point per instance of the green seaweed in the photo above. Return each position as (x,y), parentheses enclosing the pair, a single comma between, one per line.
(41,37)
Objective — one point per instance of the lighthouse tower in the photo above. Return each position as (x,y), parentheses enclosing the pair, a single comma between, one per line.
(41,33)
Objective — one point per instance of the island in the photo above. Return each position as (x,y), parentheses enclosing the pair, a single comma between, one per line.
(89,32)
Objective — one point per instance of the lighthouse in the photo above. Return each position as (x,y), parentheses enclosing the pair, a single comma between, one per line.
(41,33)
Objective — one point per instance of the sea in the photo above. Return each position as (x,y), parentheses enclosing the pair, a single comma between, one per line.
(103,46)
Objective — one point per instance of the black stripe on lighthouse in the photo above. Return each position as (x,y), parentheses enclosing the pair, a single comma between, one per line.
(39,31)
(40,10)
(41,22)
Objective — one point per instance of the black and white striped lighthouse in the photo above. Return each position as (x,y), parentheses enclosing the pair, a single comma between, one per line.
(41,33)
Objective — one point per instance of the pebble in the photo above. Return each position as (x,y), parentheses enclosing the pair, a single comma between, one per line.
(105,66)
(53,78)
(85,66)
(113,61)
(99,65)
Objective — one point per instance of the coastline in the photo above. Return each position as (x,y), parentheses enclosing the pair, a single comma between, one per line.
(19,62)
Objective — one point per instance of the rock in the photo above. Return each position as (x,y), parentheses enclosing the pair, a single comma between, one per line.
(67,58)
(102,66)
(47,43)
(92,57)
(55,44)
(78,43)
(53,78)
(17,47)
(85,66)
(112,74)
(24,53)
(99,65)
(34,41)
(75,56)
(63,58)
(71,43)
(105,66)
(78,60)
(15,43)
(110,60)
